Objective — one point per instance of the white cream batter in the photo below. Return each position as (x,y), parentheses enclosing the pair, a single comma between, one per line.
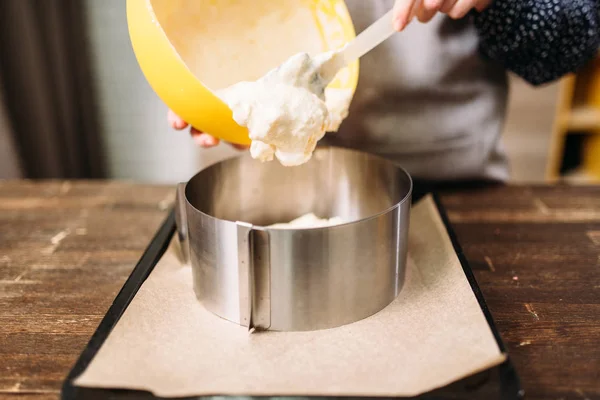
(309,220)
(286,111)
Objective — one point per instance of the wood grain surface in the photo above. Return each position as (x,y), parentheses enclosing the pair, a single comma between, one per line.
(66,248)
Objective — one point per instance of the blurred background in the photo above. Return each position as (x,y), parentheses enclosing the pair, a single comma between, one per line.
(74,104)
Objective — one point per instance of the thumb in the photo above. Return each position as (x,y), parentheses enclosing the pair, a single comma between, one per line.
(404,11)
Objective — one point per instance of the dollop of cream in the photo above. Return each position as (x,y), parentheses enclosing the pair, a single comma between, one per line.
(286,111)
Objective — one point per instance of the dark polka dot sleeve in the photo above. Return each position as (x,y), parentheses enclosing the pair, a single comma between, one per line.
(540,40)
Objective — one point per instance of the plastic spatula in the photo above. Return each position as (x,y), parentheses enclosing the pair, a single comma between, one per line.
(366,41)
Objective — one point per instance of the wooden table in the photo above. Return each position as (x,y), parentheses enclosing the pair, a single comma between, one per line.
(67,248)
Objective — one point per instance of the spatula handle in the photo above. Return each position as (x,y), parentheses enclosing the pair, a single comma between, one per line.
(379,31)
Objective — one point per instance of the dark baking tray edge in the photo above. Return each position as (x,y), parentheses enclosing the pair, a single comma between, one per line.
(142,270)
(509,384)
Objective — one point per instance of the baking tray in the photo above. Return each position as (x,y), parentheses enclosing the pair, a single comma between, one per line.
(500,382)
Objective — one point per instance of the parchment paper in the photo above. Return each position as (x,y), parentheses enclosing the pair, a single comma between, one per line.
(433,334)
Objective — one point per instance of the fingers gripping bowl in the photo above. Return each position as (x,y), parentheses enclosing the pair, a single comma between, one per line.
(188,50)
(296,279)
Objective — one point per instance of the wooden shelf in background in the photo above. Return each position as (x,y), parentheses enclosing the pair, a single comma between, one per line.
(583,119)
(579,177)
(577,112)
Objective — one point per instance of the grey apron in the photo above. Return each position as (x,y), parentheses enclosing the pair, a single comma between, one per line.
(428,100)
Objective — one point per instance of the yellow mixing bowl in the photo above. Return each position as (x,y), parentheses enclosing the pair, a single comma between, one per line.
(188,49)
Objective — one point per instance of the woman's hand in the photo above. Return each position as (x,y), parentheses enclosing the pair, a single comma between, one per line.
(202,139)
(425,10)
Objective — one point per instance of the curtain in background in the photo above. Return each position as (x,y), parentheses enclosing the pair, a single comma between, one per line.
(48,123)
